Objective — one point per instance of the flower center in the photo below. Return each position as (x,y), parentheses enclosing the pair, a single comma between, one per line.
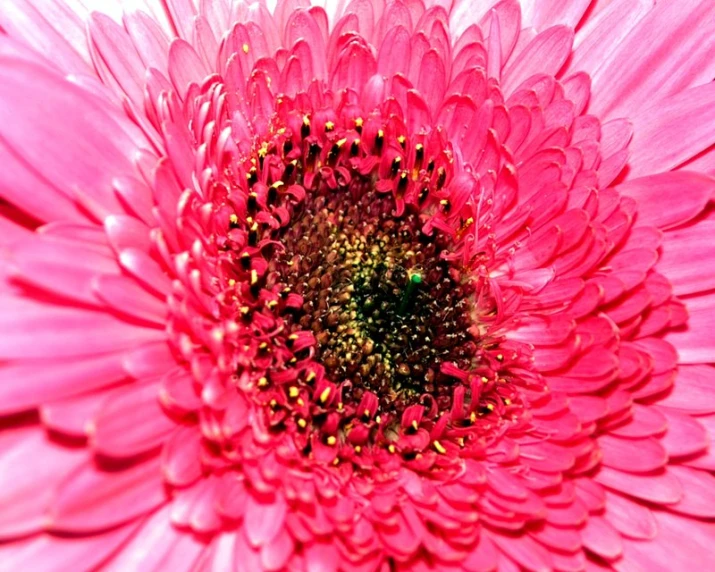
(383,306)
(355,330)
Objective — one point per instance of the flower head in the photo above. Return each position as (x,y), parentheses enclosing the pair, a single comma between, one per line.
(370,286)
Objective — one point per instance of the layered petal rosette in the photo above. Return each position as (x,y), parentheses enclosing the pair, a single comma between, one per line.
(374,285)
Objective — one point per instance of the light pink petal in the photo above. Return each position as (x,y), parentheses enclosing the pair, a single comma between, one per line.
(146,270)
(30,467)
(682,543)
(25,187)
(629,517)
(599,38)
(264,519)
(693,390)
(185,66)
(49,552)
(698,492)
(696,344)
(149,360)
(65,269)
(26,385)
(685,435)
(126,296)
(52,28)
(38,101)
(119,56)
(149,39)
(181,13)
(130,422)
(685,253)
(181,463)
(545,54)
(543,13)
(39,331)
(158,545)
(73,416)
(92,499)
(632,455)
(658,487)
(672,131)
(668,199)
(600,537)
(637,73)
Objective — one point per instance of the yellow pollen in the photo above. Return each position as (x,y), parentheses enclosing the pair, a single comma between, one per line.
(340,406)
(378,419)
(507,401)
(358,448)
(490,406)
(391,448)
(380,133)
(245,48)
(263,346)
(262,382)
(300,401)
(485,379)
(358,122)
(293,392)
(500,357)
(444,202)
(401,139)
(332,440)
(414,425)
(325,395)
(366,413)
(293,337)
(438,447)
(245,310)
(254,277)
(277,184)
(231,282)
(306,120)
(302,423)
(233,218)
(273,403)
(310,377)
(329,125)
(473,417)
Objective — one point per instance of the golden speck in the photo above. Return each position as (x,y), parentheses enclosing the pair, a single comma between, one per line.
(332,440)
(325,395)
(245,48)
(438,447)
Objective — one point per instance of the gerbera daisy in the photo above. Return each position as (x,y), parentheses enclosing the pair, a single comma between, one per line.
(375,285)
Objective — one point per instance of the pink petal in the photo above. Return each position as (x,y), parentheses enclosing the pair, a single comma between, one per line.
(52,28)
(27,385)
(86,166)
(669,199)
(632,455)
(41,331)
(131,422)
(694,345)
(685,252)
(30,467)
(629,517)
(600,537)
(636,71)
(91,499)
(546,53)
(659,487)
(47,552)
(158,545)
(671,132)
(698,492)
(124,295)
(693,390)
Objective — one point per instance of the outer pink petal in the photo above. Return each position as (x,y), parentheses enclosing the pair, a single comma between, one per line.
(672,131)
(37,101)
(669,49)
(30,468)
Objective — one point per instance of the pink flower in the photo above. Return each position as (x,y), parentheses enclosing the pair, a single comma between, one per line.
(370,286)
